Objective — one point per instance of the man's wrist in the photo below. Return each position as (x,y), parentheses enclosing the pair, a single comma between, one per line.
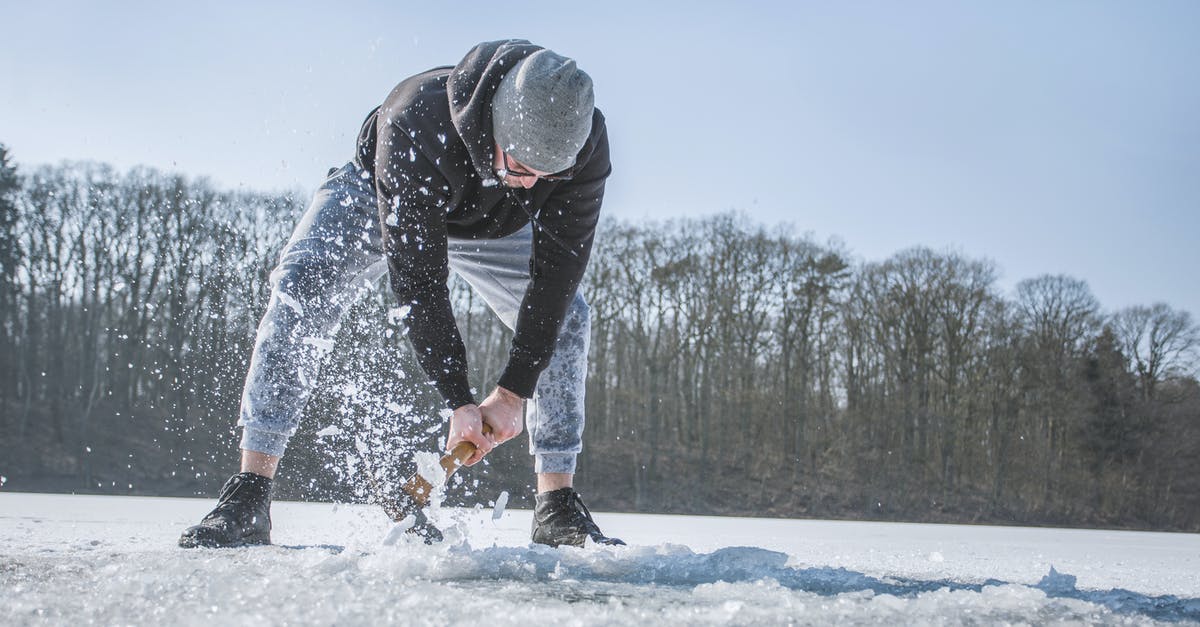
(468,407)
(508,394)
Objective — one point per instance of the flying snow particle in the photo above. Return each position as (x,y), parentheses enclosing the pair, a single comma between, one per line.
(392,219)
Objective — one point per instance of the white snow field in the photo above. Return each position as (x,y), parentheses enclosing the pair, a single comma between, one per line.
(113,560)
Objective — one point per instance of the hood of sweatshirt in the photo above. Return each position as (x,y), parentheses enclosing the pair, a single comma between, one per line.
(471,85)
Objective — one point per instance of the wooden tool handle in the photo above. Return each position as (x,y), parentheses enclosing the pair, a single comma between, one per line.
(456,458)
(462,451)
(419,488)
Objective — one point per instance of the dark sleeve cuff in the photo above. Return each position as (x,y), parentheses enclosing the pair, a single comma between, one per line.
(520,377)
(456,393)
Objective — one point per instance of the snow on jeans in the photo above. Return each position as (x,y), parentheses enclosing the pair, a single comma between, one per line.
(334,255)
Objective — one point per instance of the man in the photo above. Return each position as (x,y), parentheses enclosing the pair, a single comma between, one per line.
(495,169)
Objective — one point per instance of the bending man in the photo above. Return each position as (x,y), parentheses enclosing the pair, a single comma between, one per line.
(495,169)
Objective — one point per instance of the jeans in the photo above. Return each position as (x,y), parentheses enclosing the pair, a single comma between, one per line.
(333,257)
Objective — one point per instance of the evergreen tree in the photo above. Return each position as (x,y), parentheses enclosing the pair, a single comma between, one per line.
(1113,431)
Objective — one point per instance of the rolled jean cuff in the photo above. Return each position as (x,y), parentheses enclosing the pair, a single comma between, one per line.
(264,441)
(563,463)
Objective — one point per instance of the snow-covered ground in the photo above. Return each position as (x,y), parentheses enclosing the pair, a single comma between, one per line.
(113,560)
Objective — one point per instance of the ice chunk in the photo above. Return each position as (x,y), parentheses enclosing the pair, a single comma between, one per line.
(286,299)
(397,315)
(501,504)
(329,431)
(429,468)
(1057,583)
(321,344)
(397,531)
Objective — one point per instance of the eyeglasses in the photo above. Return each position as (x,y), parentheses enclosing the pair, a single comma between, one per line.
(508,170)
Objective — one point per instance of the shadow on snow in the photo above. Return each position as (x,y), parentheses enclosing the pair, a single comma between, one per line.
(677,566)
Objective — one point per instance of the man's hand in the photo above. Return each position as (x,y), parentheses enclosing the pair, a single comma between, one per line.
(466,425)
(502,412)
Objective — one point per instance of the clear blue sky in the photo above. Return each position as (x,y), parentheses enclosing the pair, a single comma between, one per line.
(1050,137)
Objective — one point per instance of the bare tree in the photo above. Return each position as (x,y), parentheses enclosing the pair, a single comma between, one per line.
(1159,341)
(1059,317)
(10,260)
(734,368)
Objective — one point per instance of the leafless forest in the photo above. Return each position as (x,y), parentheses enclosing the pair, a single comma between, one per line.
(736,368)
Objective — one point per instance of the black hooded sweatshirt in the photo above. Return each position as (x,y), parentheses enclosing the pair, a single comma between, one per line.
(429,147)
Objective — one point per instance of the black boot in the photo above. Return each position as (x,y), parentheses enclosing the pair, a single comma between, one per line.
(560,517)
(242,515)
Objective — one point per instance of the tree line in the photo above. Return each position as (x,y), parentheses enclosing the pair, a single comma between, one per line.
(736,368)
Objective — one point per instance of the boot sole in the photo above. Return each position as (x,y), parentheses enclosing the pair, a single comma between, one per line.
(192,542)
(577,541)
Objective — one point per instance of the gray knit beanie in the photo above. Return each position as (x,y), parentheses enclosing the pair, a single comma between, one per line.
(542,111)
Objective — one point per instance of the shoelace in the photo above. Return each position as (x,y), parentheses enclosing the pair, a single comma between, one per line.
(590,525)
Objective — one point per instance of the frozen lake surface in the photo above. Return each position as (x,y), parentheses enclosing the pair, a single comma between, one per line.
(113,560)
